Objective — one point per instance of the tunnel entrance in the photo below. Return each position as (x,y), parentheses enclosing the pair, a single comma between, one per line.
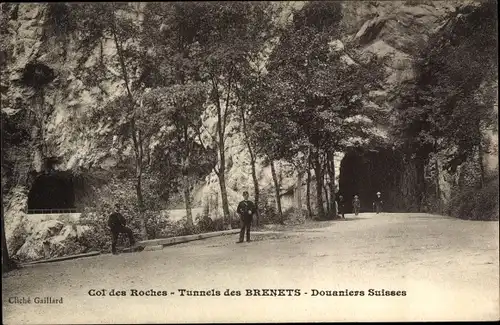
(37,75)
(366,172)
(52,192)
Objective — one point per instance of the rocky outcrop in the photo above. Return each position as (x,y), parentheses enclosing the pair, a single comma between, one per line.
(396,29)
(52,238)
(65,98)
(15,215)
(33,247)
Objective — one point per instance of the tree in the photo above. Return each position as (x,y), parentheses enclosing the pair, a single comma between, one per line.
(178,88)
(15,137)
(317,99)
(121,23)
(7,263)
(251,94)
(230,34)
(252,151)
(182,105)
(273,136)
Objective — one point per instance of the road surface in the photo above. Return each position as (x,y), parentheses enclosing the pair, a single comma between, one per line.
(447,269)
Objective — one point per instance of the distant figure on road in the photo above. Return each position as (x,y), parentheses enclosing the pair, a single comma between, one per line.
(341,206)
(246,209)
(356,203)
(377,205)
(117,225)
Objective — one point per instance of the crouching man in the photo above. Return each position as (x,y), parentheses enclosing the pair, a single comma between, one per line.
(117,225)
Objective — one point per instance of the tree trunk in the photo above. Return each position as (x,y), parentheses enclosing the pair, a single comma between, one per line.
(7,264)
(187,200)
(252,164)
(331,184)
(298,194)
(308,188)
(221,127)
(326,182)
(225,203)
(420,174)
(137,142)
(256,189)
(327,201)
(140,203)
(136,138)
(319,186)
(277,191)
(438,190)
(481,163)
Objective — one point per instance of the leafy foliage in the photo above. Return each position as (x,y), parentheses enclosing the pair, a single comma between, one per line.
(122,192)
(474,203)
(313,97)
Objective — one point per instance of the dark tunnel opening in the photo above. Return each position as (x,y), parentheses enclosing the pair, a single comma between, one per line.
(366,172)
(37,75)
(52,192)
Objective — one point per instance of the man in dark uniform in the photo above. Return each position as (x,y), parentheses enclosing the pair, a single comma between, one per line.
(341,206)
(378,203)
(117,225)
(246,209)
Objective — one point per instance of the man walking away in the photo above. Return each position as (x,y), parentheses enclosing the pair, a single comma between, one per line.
(246,209)
(117,225)
(378,203)
(356,203)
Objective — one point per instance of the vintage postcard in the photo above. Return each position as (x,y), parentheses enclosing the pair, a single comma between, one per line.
(294,161)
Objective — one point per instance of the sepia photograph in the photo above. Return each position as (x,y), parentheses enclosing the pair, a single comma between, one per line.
(249,161)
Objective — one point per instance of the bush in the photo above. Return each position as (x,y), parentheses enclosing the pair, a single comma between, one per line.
(473,203)
(291,214)
(235,221)
(206,224)
(99,238)
(155,224)
(122,191)
(218,224)
(267,213)
(181,228)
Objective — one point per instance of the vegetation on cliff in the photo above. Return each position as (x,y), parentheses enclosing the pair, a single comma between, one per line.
(450,106)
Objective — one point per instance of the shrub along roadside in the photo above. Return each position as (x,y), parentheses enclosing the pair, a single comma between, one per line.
(475,203)
(157,226)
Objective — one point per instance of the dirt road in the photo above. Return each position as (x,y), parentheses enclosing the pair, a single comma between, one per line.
(448,269)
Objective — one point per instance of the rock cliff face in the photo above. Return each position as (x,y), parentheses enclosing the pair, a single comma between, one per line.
(396,29)
(31,46)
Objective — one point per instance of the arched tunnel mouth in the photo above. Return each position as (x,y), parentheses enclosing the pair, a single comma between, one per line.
(37,75)
(365,172)
(52,192)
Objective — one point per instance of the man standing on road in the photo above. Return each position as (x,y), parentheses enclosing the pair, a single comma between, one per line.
(117,225)
(378,203)
(246,209)
(341,206)
(356,204)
